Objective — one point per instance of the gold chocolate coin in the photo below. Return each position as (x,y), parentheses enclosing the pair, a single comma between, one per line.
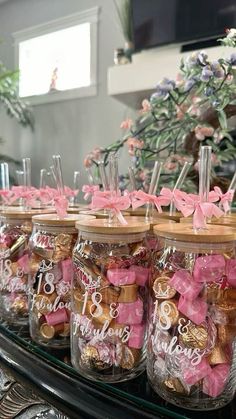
(168,311)
(195,336)
(162,289)
(175,386)
(47,331)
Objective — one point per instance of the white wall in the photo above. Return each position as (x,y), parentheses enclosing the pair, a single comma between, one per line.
(70,128)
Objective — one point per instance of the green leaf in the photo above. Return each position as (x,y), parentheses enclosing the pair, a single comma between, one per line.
(222,120)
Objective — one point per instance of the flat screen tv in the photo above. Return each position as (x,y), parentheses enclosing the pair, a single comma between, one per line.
(159,22)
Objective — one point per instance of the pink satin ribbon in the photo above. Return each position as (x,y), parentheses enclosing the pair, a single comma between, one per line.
(141,198)
(89,190)
(61,205)
(201,210)
(176,196)
(115,203)
(225,198)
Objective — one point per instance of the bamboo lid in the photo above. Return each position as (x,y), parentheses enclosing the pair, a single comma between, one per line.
(101,214)
(101,226)
(19,213)
(154,222)
(141,212)
(53,219)
(185,232)
(227,220)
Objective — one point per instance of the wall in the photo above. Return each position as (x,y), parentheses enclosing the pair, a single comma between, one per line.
(70,128)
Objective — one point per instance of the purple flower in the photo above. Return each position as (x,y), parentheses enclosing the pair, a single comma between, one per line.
(202,57)
(218,71)
(208,91)
(189,84)
(232,59)
(163,88)
(207,73)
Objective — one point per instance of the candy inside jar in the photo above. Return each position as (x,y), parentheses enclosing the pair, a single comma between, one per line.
(16,227)
(111,272)
(50,277)
(192,317)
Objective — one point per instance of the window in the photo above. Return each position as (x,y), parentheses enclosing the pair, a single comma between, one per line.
(57,60)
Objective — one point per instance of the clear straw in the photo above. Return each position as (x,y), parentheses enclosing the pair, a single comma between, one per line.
(76,183)
(27,172)
(43,178)
(152,190)
(232,187)
(114,182)
(5,176)
(204,173)
(132,179)
(20,177)
(58,173)
(26,179)
(103,175)
(53,175)
(90,176)
(179,183)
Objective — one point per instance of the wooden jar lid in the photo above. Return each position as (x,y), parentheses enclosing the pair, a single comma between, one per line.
(19,213)
(53,219)
(100,214)
(101,226)
(155,221)
(141,212)
(185,232)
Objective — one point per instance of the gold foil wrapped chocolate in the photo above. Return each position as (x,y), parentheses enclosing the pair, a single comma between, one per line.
(130,357)
(102,315)
(43,303)
(195,336)
(226,334)
(48,331)
(218,355)
(110,294)
(162,289)
(128,293)
(168,309)
(62,247)
(174,385)
(90,358)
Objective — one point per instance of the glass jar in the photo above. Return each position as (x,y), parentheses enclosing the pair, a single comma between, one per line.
(50,277)
(192,317)
(108,322)
(15,231)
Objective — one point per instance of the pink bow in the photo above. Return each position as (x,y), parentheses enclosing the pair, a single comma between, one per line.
(61,205)
(141,198)
(7,196)
(200,210)
(176,196)
(30,195)
(70,192)
(115,203)
(225,198)
(89,190)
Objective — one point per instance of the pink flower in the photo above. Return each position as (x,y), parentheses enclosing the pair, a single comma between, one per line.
(214,159)
(96,153)
(202,132)
(134,143)
(146,105)
(126,124)
(170,165)
(87,161)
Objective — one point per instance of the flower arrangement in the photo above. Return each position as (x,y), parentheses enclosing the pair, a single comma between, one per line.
(180,116)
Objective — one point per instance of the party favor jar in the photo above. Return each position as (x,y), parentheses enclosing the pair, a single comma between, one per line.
(192,317)
(15,231)
(108,322)
(51,272)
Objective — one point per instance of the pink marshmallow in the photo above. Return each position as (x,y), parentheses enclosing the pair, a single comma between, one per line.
(57,317)
(182,282)
(194,374)
(67,270)
(23,263)
(141,274)
(209,268)
(195,310)
(136,336)
(214,383)
(119,277)
(230,271)
(130,313)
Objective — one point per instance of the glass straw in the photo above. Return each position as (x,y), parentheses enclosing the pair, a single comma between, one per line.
(204,173)
(53,175)
(179,183)
(76,182)
(90,176)
(152,190)
(232,186)
(103,175)
(5,176)
(58,173)
(20,177)
(26,178)
(5,179)
(114,182)
(43,178)
(132,179)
